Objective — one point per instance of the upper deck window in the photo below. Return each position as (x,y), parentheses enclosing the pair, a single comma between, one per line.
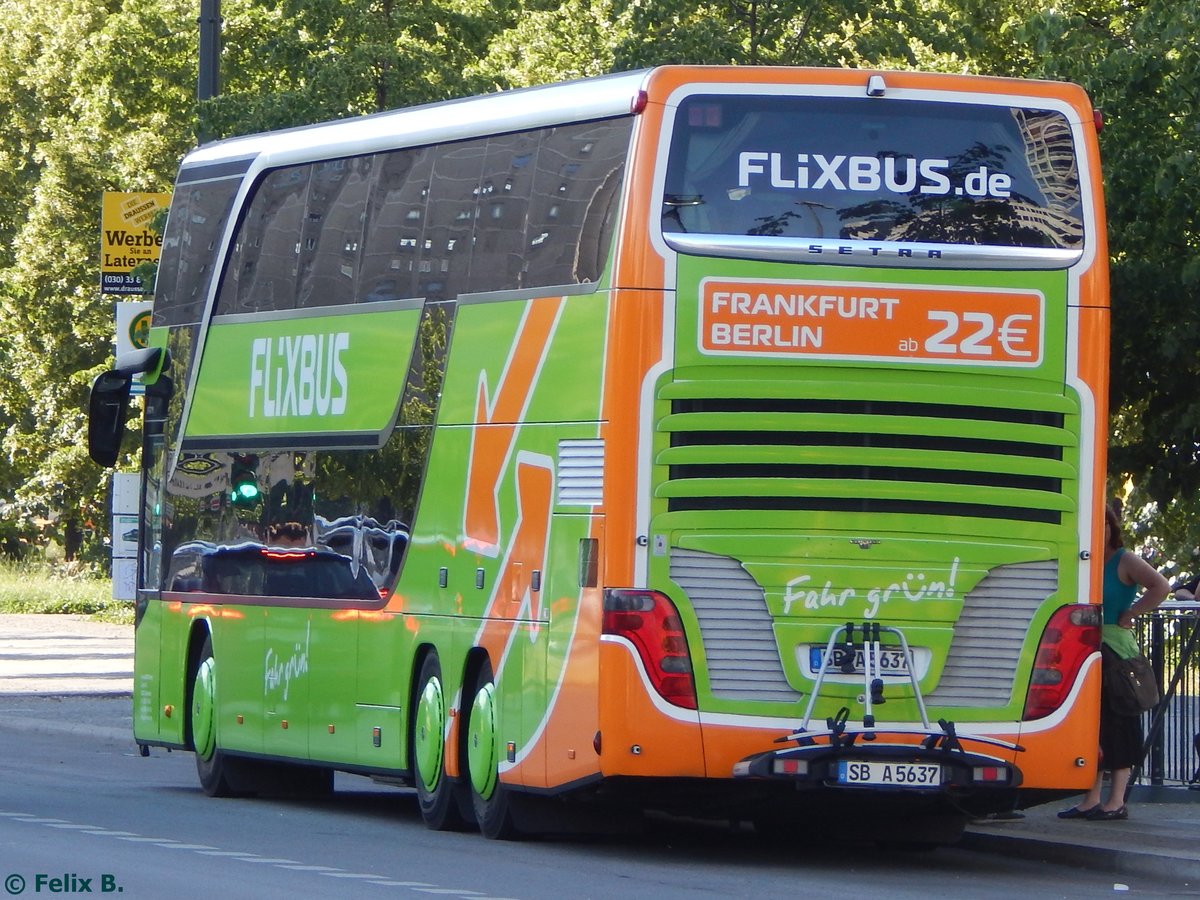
(199,211)
(873,169)
(506,212)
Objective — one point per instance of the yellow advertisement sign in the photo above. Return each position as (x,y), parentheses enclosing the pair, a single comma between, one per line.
(126,240)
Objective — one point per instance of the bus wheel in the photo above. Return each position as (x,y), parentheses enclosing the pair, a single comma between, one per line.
(216,770)
(489,797)
(435,790)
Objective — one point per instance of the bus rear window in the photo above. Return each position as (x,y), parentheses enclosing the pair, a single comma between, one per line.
(873,169)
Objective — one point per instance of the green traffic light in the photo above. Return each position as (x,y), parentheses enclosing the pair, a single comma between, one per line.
(243,480)
(246,492)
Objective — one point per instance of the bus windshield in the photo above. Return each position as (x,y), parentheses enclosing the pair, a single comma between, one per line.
(873,169)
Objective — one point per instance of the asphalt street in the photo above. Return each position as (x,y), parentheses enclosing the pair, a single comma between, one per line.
(74,676)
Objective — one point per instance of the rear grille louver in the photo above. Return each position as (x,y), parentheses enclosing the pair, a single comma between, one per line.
(982,663)
(735,627)
(860,446)
(580,478)
(742,654)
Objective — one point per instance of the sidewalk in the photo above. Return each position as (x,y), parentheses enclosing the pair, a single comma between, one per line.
(67,675)
(71,675)
(64,655)
(1162,834)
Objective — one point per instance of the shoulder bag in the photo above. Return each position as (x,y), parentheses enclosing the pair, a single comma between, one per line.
(1129,685)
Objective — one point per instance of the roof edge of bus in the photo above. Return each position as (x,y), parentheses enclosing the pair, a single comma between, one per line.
(598,97)
(579,100)
(966,82)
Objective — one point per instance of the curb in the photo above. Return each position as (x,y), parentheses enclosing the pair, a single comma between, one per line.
(66,729)
(69,720)
(1142,863)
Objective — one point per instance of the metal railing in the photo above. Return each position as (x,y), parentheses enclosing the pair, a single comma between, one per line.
(1170,638)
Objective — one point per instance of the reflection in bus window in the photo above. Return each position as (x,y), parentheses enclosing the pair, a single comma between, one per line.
(252,569)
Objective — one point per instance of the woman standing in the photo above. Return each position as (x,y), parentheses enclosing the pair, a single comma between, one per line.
(1120,735)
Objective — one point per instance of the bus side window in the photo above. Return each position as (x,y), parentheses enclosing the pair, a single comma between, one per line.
(332,239)
(444,254)
(194,230)
(262,270)
(575,164)
(595,237)
(498,248)
(394,224)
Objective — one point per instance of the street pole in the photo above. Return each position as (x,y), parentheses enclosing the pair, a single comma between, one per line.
(208,85)
(208,82)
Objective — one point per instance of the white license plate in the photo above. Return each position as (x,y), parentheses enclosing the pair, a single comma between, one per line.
(889,774)
(891,662)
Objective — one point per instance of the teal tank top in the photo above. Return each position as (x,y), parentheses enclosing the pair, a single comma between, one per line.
(1118,596)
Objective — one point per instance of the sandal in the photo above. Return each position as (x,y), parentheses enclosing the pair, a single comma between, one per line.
(1107,815)
(1076,813)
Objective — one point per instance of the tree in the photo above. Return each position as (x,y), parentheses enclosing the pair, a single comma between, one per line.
(1141,64)
(102,122)
(574,39)
(555,43)
(291,62)
(118,113)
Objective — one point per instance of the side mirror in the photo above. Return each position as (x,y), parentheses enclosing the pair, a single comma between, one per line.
(108,406)
(107,410)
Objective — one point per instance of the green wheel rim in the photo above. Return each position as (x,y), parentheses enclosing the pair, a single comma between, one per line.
(481,742)
(204,734)
(428,740)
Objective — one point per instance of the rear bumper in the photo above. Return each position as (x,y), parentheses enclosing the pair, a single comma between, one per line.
(888,765)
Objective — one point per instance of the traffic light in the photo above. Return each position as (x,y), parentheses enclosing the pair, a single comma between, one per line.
(243,480)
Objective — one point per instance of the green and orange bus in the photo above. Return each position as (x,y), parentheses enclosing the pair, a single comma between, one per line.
(725,441)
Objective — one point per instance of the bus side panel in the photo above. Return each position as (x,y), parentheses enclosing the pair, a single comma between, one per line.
(454,597)
(382,684)
(287,675)
(172,675)
(238,639)
(1092,350)
(575,616)
(147,686)
(639,736)
(520,675)
(635,336)
(332,660)
(526,605)
(562,723)
(309,667)
(496,515)
(1065,755)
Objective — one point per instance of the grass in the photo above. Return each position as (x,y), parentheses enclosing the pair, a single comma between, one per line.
(37,587)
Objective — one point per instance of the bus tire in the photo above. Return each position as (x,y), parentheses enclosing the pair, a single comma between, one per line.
(218,773)
(490,799)
(427,738)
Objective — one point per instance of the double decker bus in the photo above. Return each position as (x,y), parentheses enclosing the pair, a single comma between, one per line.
(727,441)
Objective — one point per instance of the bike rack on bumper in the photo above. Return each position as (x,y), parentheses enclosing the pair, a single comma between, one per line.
(849,758)
(933,761)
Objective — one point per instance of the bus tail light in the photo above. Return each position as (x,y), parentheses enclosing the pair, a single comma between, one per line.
(649,621)
(793,767)
(1070,637)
